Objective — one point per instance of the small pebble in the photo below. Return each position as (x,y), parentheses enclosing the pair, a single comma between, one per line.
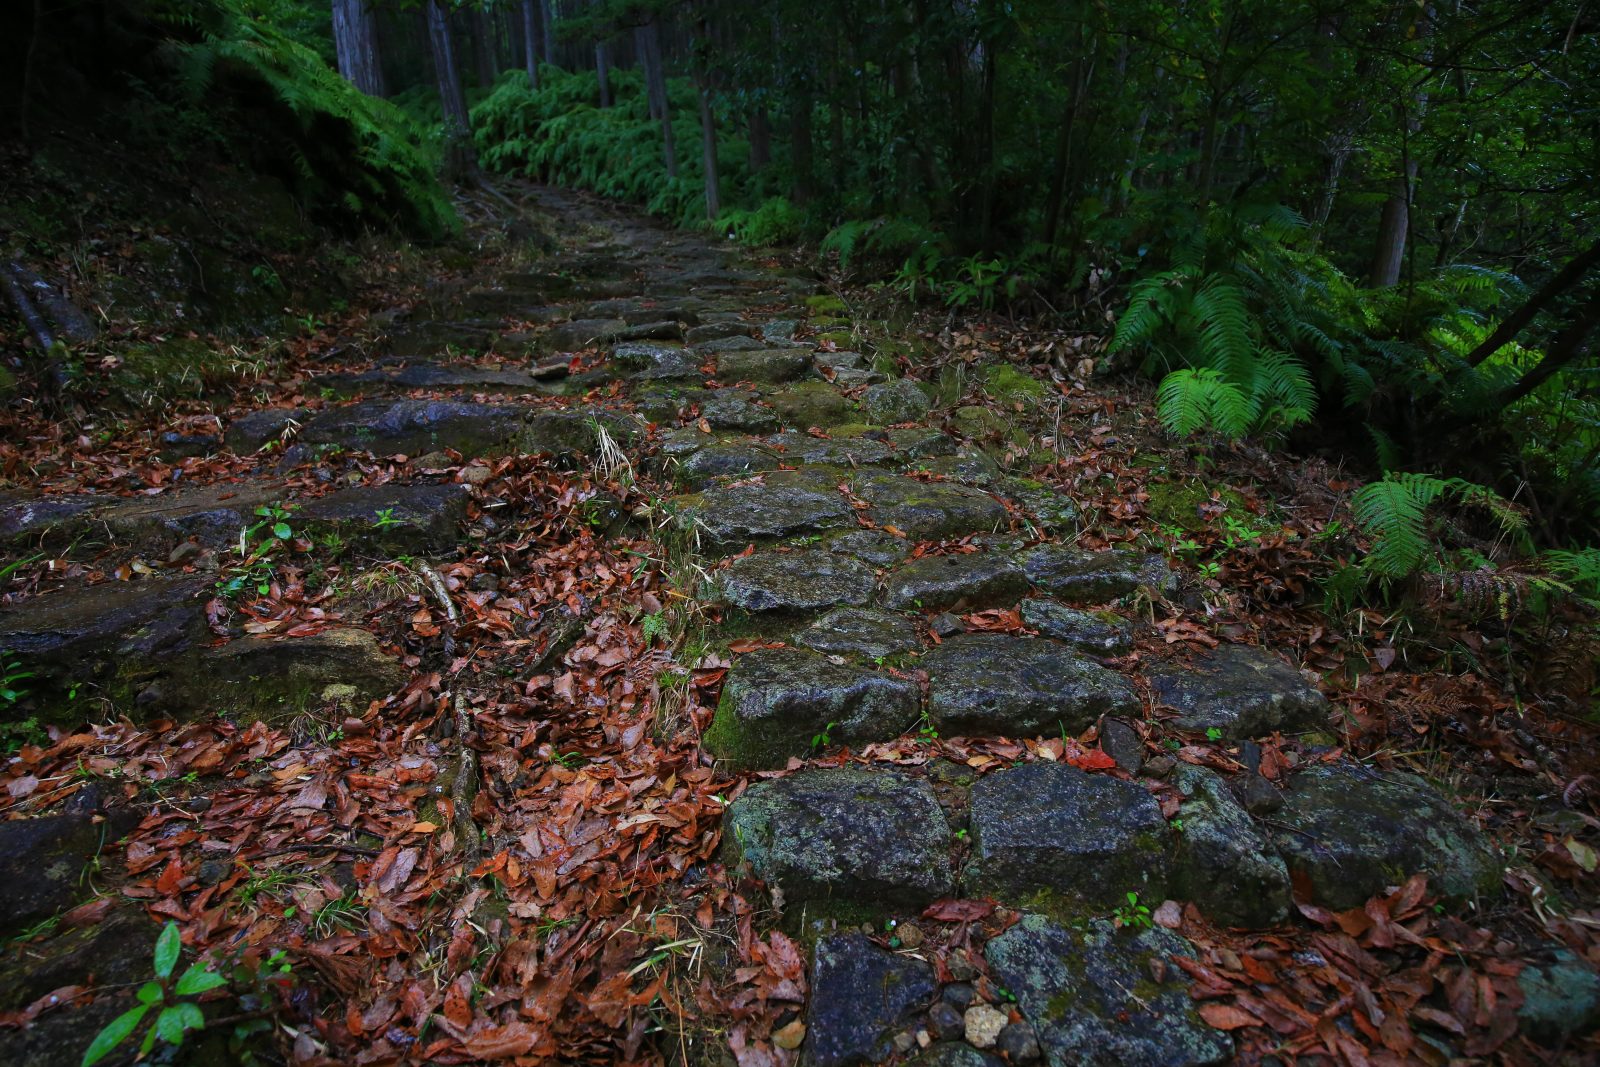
(903,1041)
(959,994)
(1159,767)
(910,935)
(983,1025)
(947,625)
(961,968)
(945,1020)
(1019,1042)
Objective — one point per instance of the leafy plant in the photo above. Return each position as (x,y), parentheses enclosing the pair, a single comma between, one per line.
(1132,914)
(12,675)
(176,1012)
(1393,512)
(824,738)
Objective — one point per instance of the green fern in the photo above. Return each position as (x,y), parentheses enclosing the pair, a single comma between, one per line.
(1393,513)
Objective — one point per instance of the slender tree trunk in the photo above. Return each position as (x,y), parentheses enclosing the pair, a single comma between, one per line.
(547,8)
(1083,72)
(1568,346)
(530,40)
(1389,254)
(461,162)
(801,151)
(483,47)
(355,40)
(602,67)
(760,139)
(986,166)
(648,37)
(708,153)
(1519,319)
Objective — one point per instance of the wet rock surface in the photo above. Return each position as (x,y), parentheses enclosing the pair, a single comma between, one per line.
(1239,690)
(1092,999)
(730,517)
(777,702)
(929,511)
(1350,831)
(1096,577)
(795,581)
(860,632)
(844,836)
(1101,633)
(961,582)
(1019,687)
(863,995)
(1053,830)
(1225,863)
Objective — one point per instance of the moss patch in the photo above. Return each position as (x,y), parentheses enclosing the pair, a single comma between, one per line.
(825,304)
(1179,503)
(1006,383)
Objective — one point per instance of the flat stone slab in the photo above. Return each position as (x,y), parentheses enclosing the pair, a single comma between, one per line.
(797,448)
(580,334)
(860,632)
(1054,829)
(808,580)
(384,427)
(714,331)
(861,997)
(854,836)
(1099,633)
(1349,832)
(1096,577)
(964,582)
(965,466)
(43,860)
(417,339)
(1092,998)
(733,343)
(737,409)
(407,517)
(1019,687)
(1238,689)
(930,511)
(871,546)
(212,515)
(779,506)
(720,460)
(569,433)
(776,702)
(35,516)
(88,633)
(462,378)
(1052,511)
(764,365)
(658,362)
(1225,863)
(807,404)
(901,400)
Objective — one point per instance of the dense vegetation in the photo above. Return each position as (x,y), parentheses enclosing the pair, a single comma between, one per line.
(1359,226)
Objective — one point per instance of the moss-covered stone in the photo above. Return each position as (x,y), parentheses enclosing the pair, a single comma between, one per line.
(1051,510)
(929,510)
(902,400)
(1225,864)
(1010,384)
(861,996)
(853,835)
(806,404)
(1240,690)
(961,582)
(1051,827)
(863,632)
(1561,998)
(1101,633)
(1092,998)
(777,702)
(737,409)
(764,365)
(1019,687)
(785,504)
(1185,504)
(795,581)
(841,448)
(1349,831)
(825,304)
(1096,577)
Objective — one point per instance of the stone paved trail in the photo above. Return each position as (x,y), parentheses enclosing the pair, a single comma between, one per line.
(846,527)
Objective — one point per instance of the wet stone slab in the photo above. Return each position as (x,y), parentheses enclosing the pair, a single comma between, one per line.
(1225,863)
(873,547)
(800,448)
(1096,577)
(1052,829)
(860,632)
(764,365)
(776,702)
(415,517)
(854,836)
(780,506)
(808,580)
(1099,633)
(929,511)
(862,996)
(737,409)
(1094,1001)
(959,582)
(1350,831)
(657,362)
(1020,687)
(1238,689)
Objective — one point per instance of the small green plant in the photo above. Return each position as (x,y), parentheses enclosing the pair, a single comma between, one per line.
(961,835)
(1213,733)
(653,625)
(926,731)
(343,913)
(13,735)
(385,519)
(824,738)
(176,1013)
(1132,914)
(12,675)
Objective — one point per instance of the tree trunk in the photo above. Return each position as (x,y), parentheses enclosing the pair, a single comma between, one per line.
(461,162)
(655,80)
(986,166)
(760,139)
(483,48)
(355,41)
(530,40)
(602,67)
(801,151)
(1565,349)
(708,153)
(547,8)
(1518,320)
(1393,225)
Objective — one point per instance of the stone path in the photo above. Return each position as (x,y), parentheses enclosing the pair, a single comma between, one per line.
(838,516)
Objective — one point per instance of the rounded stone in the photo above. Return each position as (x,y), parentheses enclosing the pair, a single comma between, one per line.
(1019,687)
(807,580)
(901,400)
(972,580)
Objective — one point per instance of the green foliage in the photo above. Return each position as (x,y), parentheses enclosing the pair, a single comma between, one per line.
(350,157)
(175,1014)
(775,222)
(1133,914)
(1393,512)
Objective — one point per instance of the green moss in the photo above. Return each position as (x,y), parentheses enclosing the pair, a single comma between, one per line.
(839,338)
(825,304)
(1179,503)
(1006,383)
